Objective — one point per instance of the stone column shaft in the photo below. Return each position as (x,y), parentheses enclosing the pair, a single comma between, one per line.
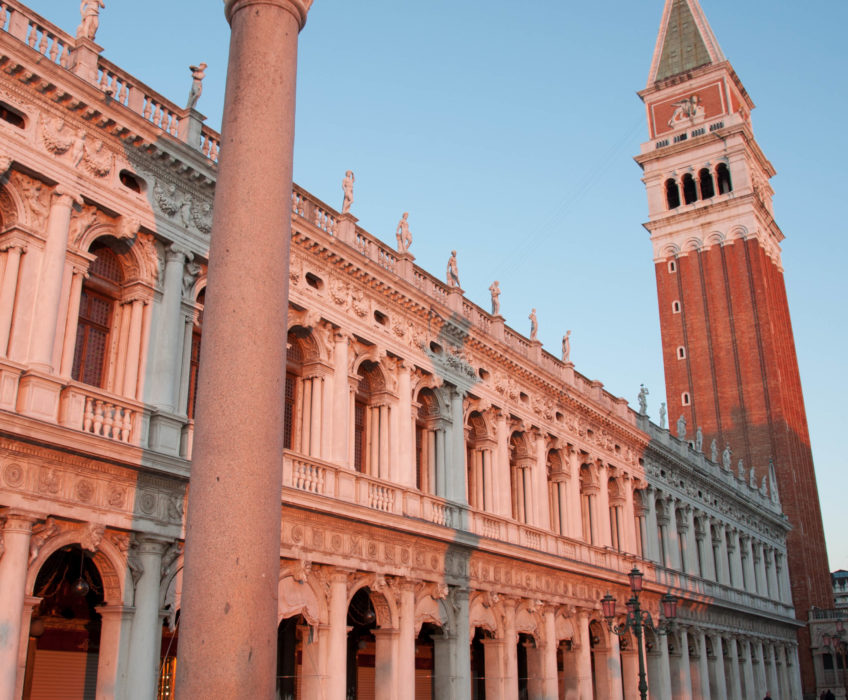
(50,280)
(652,529)
(70,340)
(229,604)
(341,402)
(406,643)
(735,674)
(719,689)
(584,660)
(167,355)
(662,685)
(112,660)
(703,666)
(337,645)
(7,293)
(17,531)
(146,634)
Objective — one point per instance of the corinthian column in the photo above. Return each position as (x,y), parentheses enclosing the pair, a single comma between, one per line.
(232,559)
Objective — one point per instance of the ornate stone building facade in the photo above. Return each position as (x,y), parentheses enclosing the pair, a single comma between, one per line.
(456,500)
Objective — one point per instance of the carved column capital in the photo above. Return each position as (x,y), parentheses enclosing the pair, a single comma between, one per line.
(177,253)
(65,196)
(298,8)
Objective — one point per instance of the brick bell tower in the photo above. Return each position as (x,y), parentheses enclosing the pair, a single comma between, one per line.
(728,349)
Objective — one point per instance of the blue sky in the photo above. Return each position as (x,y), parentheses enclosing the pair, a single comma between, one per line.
(507,130)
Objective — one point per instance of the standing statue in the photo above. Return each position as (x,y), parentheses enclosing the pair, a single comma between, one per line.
(741,469)
(90,14)
(534,324)
(198,72)
(566,347)
(662,415)
(404,237)
(699,440)
(714,451)
(725,458)
(643,400)
(347,188)
(752,479)
(681,427)
(453,271)
(496,303)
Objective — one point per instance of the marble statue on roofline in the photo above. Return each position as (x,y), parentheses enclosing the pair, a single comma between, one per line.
(404,237)
(643,400)
(347,188)
(453,271)
(681,427)
(90,18)
(198,72)
(566,347)
(714,451)
(662,414)
(725,458)
(495,291)
(534,324)
(699,440)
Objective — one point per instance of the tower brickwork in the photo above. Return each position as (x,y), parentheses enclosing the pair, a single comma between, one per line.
(728,349)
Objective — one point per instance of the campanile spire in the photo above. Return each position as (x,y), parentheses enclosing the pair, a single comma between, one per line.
(728,350)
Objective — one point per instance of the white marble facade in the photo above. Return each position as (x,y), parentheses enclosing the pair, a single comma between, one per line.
(456,500)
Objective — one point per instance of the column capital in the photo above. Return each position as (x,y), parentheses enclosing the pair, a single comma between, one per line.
(298,8)
(66,196)
(19,519)
(178,253)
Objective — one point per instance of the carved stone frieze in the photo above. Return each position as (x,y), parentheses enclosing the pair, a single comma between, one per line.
(36,196)
(98,159)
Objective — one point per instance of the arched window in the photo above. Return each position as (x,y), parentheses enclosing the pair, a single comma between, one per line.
(672,194)
(520,466)
(294,370)
(557,476)
(429,443)
(100,294)
(372,421)
(690,190)
(616,513)
(706,181)
(723,179)
(479,450)
(588,502)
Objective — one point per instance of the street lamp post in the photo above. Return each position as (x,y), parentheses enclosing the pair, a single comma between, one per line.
(838,645)
(638,620)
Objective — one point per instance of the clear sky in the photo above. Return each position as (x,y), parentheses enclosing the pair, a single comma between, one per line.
(507,130)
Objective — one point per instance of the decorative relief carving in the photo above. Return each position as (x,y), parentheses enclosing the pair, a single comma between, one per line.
(98,160)
(36,197)
(40,534)
(201,214)
(56,135)
(13,474)
(82,221)
(169,200)
(92,536)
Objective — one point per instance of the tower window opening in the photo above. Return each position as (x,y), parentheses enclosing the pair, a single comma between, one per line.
(672,194)
(675,307)
(723,178)
(690,190)
(672,266)
(681,353)
(706,180)
(684,398)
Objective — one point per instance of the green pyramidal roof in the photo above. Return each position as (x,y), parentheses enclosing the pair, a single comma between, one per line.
(685,41)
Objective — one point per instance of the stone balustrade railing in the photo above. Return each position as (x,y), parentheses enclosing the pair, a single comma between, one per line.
(325,479)
(99,413)
(36,32)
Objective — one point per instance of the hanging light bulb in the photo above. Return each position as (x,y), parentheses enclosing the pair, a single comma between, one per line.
(80,587)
